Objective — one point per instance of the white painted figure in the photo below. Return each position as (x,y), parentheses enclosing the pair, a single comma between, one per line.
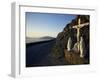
(82,46)
(69,44)
(75,48)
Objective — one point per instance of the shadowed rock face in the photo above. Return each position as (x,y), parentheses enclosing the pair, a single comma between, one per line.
(68,31)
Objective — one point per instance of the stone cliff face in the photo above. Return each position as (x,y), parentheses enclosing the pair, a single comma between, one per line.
(69,31)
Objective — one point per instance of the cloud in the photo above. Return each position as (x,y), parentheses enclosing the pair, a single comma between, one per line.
(41,34)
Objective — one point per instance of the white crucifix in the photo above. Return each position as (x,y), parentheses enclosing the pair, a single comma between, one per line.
(78,27)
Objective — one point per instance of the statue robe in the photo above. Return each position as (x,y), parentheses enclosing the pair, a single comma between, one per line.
(69,44)
(82,47)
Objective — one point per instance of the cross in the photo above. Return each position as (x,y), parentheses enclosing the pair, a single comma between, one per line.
(78,27)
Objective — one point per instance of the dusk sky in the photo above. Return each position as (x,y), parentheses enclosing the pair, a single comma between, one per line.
(46,24)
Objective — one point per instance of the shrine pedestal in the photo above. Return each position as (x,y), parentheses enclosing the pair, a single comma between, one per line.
(73,58)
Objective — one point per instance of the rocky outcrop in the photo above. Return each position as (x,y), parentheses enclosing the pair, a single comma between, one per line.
(68,31)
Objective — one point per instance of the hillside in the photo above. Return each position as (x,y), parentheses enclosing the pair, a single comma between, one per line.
(62,39)
(33,40)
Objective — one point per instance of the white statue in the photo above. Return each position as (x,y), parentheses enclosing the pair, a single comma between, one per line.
(69,44)
(75,48)
(82,46)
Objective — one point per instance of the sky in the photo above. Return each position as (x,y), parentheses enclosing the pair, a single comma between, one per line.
(46,24)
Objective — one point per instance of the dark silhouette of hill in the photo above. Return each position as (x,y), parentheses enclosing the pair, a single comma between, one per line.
(40,39)
(47,37)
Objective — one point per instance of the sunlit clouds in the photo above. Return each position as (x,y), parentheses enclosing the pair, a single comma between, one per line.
(40,34)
